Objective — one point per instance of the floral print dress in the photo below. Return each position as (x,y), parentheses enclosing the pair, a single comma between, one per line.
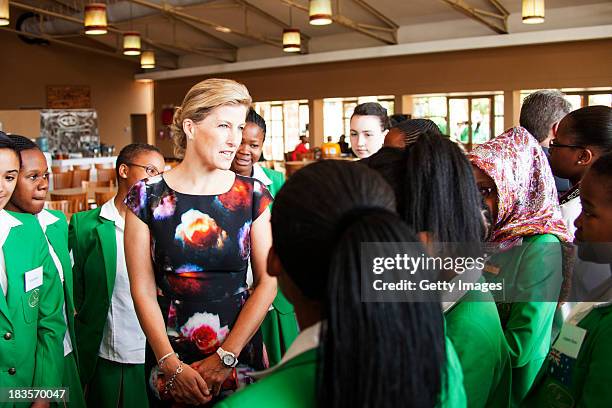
(200,246)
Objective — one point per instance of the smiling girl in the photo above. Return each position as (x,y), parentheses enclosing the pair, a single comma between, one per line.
(31,298)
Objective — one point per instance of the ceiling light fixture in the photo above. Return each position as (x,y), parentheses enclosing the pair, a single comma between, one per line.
(291,40)
(4,12)
(95,19)
(320,12)
(147,59)
(533,11)
(131,43)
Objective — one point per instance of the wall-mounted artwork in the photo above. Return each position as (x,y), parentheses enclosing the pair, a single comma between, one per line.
(70,130)
(68,97)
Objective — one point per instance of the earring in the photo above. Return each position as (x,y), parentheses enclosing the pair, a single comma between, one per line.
(579,161)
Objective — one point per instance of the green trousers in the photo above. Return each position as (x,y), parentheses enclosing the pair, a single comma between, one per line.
(115,385)
(279,328)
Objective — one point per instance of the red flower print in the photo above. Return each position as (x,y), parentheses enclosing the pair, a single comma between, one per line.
(205,331)
(238,197)
(199,230)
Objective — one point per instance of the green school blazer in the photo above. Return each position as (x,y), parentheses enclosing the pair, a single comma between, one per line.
(91,239)
(32,326)
(534,267)
(280,326)
(57,234)
(293,385)
(474,328)
(587,381)
(277,178)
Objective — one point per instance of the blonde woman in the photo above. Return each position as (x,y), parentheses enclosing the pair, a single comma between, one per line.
(188,240)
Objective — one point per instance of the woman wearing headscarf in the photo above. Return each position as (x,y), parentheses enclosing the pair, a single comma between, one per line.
(518,187)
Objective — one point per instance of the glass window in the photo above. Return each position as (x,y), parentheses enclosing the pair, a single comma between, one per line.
(333,122)
(600,99)
(575,101)
(348,107)
(481,120)
(459,119)
(433,108)
(499,115)
(286,121)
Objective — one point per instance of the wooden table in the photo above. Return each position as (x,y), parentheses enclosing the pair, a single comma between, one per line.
(91,192)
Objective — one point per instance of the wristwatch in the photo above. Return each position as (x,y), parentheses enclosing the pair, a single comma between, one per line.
(228,359)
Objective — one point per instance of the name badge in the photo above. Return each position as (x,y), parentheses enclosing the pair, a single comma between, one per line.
(33,278)
(570,340)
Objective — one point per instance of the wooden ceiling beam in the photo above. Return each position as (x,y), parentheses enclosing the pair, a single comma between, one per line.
(168,9)
(370,9)
(480,15)
(75,20)
(82,47)
(348,23)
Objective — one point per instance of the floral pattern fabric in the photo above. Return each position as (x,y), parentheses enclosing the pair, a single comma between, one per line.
(200,246)
(525,186)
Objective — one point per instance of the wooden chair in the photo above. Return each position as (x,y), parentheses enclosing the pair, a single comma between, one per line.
(101,166)
(106,174)
(79,175)
(78,202)
(62,205)
(293,166)
(103,196)
(60,169)
(62,180)
(88,185)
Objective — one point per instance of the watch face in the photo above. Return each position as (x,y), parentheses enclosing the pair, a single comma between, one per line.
(229,360)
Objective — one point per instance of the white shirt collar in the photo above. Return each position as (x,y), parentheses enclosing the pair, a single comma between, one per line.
(45,218)
(7,221)
(308,339)
(109,211)
(260,175)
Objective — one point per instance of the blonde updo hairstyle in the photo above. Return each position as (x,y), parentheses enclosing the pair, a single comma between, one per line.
(200,100)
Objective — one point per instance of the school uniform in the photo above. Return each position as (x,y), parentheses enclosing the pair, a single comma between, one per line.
(292,383)
(55,228)
(532,275)
(578,370)
(279,327)
(473,326)
(111,344)
(32,324)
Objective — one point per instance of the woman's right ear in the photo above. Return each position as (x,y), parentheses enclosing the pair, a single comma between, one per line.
(189,128)
(274,266)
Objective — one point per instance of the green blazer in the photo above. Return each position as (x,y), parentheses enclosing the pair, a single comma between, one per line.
(57,234)
(91,239)
(589,379)
(32,323)
(277,178)
(534,268)
(279,327)
(473,326)
(294,383)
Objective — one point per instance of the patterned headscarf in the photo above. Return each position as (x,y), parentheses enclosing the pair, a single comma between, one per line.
(525,186)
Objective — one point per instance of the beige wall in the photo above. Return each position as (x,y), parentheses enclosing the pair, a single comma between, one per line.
(27,70)
(560,65)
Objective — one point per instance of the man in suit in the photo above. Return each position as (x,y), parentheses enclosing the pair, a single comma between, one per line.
(540,115)
(110,342)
